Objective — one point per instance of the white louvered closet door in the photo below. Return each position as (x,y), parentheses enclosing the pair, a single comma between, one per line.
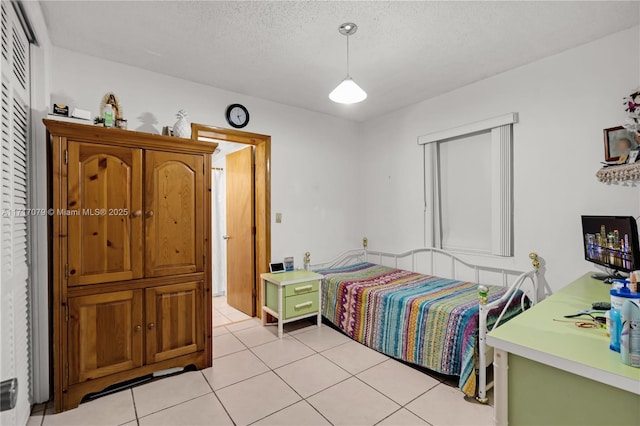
(14,262)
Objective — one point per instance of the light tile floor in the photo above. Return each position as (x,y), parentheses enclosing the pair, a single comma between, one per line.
(313,376)
(224,314)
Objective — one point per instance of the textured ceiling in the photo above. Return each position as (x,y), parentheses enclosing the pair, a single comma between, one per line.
(291,52)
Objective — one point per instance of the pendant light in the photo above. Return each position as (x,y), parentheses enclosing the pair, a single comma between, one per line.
(348,92)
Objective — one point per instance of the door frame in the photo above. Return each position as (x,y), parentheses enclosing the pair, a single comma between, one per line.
(262,196)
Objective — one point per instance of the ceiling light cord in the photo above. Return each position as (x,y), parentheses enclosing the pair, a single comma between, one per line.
(348,73)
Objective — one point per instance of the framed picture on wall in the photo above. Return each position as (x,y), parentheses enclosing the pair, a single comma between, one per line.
(618,142)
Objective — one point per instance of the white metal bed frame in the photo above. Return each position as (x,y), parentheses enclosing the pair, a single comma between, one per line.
(519,279)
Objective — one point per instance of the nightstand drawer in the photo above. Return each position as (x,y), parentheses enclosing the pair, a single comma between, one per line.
(302,288)
(300,305)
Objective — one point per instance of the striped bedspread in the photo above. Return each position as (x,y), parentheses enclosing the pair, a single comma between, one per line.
(421,319)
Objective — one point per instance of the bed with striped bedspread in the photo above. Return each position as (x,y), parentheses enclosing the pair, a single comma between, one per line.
(421,319)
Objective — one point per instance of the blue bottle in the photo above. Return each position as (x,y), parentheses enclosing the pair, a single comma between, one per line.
(618,296)
(616,328)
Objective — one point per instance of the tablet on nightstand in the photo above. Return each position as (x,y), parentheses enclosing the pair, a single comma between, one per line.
(276,267)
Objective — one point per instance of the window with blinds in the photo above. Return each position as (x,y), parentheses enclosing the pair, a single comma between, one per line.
(468,187)
(14,217)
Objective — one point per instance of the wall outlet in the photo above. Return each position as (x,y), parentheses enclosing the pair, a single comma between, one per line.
(278,217)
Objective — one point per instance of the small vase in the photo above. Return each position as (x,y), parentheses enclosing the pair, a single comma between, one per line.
(182,128)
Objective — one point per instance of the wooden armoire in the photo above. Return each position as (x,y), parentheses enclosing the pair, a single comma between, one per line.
(130,279)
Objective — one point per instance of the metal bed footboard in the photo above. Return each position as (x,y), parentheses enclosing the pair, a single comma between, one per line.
(447,265)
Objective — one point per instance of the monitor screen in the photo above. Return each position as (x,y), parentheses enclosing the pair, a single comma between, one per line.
(611,241)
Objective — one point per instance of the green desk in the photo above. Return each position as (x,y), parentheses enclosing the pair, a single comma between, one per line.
(560,374)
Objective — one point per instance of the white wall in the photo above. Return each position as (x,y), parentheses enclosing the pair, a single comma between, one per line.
(564,102)
(313,181)
(40,57)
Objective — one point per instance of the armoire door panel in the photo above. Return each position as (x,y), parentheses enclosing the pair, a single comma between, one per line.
(104,213)
(174,213)
(174,320)
(105,334)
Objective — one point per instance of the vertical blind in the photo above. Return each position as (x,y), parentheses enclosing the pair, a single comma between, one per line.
(465,193)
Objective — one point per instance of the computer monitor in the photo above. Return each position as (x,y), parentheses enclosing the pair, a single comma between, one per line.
(612,242)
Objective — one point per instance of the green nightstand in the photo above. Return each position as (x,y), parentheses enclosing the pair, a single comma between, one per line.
(291,296)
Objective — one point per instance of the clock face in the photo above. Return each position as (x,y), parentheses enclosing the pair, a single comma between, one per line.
(237,116)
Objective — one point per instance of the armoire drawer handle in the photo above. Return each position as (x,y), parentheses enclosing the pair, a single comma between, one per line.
(150,213)
(137,213)
(303,288)
(151,326)
(303,305)
(137,328)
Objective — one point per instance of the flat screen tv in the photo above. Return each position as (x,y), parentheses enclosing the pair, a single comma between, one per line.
(612,242)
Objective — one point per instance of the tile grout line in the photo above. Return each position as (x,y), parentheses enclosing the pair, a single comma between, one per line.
(333,362)
(421,394)
(422,418)
(175,405)
(270,414)
(135,409)
(385,418)
(405,406)
(217,397)
(380,392)
(324,350)
(230,353)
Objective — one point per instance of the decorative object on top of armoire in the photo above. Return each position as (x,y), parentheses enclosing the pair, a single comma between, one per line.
(182,128)
(121,123)
(130,256)
(110,98)
(61,109)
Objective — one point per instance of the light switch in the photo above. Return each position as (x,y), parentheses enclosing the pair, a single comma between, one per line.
(278,217)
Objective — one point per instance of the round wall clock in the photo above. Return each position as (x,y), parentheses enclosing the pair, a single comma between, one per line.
(237,116)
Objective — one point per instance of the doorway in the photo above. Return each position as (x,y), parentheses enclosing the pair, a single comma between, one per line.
(240,306)
(242,168)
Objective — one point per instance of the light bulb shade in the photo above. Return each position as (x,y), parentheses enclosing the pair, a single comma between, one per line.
(348,92)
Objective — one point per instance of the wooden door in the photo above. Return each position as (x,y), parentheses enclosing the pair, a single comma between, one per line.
(104,334)
(104,213)
(175,320)
(240,231)
(174,216)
